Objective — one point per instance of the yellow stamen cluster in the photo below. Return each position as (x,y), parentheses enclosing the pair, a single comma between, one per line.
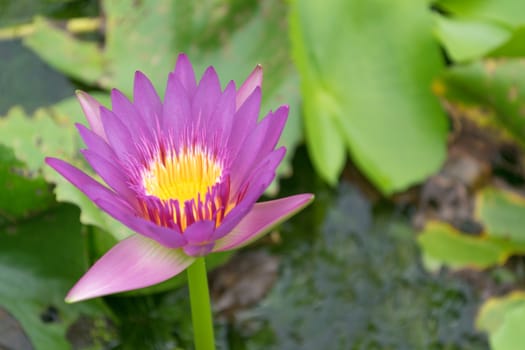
(182,176)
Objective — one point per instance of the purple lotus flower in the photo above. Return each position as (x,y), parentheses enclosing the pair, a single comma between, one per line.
(185,174)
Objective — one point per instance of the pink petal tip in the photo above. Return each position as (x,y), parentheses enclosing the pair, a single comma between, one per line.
(91,108)
(253,81)
(261,219)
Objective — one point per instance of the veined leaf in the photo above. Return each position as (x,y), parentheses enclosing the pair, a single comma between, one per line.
(364,81)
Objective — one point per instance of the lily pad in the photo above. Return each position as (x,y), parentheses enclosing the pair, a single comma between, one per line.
(366,89)
(80,60)
(40,259)
(33,138)
(444,245)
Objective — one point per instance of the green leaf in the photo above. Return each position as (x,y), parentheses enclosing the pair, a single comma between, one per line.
(68,112)
(323,136)
(33,138)
(505,12)
(90,214)
(510,335)
(139,36)
(503,216)
(502,213)
(361,66)
(478,28)
(51,132)
(40,259)
(23,192)
(444,245)
(81,60)
(467,39)
(493,312)
(514,47)
(473,29)
(496,87)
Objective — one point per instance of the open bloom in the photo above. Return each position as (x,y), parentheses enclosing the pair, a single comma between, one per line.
(184,174)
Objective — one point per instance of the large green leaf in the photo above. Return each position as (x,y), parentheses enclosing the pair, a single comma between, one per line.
(444,245)
(40,259)
(364,81)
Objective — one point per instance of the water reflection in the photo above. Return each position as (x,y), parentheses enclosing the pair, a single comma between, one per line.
(358,284)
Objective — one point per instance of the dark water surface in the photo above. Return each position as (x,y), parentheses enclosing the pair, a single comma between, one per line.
(351,279)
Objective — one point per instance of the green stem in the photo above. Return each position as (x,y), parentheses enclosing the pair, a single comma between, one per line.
(200,306)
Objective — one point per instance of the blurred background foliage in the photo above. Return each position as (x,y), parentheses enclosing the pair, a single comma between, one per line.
(407,120)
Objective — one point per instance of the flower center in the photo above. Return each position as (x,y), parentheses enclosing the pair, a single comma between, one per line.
(182,176)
